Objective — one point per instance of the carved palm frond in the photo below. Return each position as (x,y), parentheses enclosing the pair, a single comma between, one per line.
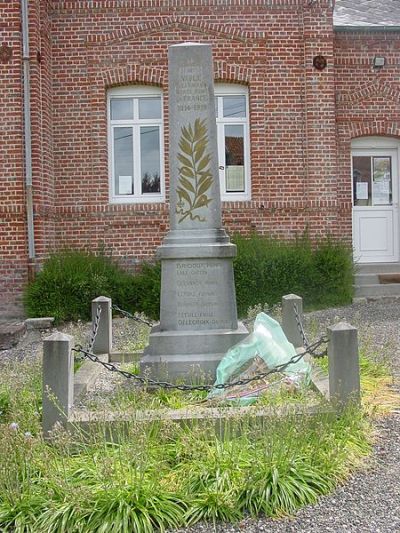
(195,178)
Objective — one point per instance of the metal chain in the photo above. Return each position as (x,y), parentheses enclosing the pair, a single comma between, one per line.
(127,314)
(166,385)
(95,329)
(300,326)
(306,344)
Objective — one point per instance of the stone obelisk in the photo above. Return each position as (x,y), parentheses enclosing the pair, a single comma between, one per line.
(198,316)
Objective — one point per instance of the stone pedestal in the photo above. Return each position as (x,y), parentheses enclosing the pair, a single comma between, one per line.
(198,317)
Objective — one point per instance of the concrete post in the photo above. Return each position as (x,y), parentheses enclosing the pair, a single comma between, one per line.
(344,369)
(289,321)
(103,341)
(58,380)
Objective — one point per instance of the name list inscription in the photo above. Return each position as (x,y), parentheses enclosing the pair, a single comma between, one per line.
(192,90)
(199,298)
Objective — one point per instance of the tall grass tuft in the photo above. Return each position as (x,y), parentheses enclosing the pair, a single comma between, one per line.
(163,475)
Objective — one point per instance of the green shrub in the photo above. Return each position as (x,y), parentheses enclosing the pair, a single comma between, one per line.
(147,290)
(266,269)
(68,283)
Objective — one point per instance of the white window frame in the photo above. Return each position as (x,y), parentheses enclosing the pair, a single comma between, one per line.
(228,89)
(135,92)
(373,146)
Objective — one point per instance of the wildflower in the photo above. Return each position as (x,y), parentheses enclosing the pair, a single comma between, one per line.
(28,435)
(13,426)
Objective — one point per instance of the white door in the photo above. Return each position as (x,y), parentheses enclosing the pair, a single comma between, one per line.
(375,205)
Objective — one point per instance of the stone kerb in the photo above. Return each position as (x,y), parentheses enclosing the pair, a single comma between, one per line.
(344,368)
(101,307)
(292,307)
(61,386)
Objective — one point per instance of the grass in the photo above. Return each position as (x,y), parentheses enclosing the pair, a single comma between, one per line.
(378,396)
(162,475)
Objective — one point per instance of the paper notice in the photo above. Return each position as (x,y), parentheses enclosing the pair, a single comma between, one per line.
(125,184)
(362,190)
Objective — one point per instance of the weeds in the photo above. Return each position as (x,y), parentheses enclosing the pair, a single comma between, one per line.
(162,475)
(146,477)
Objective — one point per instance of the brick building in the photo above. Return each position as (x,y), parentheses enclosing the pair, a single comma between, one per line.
(307,100)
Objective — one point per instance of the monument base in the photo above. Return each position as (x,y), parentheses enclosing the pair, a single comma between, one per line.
(188,356)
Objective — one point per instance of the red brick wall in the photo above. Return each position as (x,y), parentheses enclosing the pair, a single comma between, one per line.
(301,119)
(13,255)
(367,99)
(267,46)
(13,227)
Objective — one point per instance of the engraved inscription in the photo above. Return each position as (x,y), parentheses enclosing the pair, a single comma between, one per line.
(199,302)
(192,90)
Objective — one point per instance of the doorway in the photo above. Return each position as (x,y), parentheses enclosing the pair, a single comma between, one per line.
(375,178)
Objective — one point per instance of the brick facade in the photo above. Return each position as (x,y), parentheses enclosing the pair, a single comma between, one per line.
(302,120)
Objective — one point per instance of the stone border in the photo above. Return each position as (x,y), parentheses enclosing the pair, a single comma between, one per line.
(61,386)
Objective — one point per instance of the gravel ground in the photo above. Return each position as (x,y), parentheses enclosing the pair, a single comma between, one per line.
(370,501)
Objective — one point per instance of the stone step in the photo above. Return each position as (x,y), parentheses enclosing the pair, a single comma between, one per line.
(377,290)
(366,279)
(377,268)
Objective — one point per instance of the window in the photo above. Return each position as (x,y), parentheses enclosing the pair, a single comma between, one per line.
(372,180)
(231,108)
(135,144)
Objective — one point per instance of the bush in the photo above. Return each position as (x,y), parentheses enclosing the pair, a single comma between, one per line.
(68,283)
(266,269)
(147,287)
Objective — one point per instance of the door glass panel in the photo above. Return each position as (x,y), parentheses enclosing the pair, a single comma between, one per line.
(234,158)
(150,158)
(123,160)
(362,191)
(382,181)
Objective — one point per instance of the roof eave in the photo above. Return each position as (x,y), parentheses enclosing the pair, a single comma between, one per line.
(365,29)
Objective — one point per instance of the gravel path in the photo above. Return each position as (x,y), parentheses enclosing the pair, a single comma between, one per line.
(370,501)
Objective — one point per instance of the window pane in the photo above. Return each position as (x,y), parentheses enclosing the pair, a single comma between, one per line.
(382,182)
(234,106)
(150,108)
(234,158)
(121,109)
(150,159)
(123,161)
(216,105)
(362,180)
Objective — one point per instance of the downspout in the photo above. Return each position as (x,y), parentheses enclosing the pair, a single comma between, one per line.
(27,138)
